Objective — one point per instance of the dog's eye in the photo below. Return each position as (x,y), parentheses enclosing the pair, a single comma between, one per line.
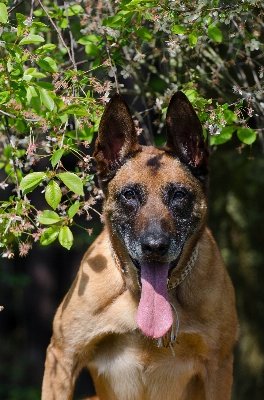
(129,195)
(178,195)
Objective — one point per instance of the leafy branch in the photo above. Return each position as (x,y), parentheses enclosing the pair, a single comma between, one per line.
(58,68)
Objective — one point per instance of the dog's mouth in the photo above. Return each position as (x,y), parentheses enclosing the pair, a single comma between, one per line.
(154,315)
(137,264)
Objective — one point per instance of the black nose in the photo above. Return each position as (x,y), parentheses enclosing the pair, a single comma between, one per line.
(155,246)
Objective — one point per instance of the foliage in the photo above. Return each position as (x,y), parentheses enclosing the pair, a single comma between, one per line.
(61,60)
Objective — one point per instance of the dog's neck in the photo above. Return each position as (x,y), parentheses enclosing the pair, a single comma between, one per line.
(179,275)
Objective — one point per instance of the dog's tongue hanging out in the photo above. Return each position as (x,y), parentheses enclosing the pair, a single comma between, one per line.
(154,316)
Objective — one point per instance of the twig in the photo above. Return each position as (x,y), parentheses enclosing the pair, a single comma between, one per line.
(77,63)
(71,37)
(58,32)
(13,8)
(143,112)
(12,156)
(31,9)
(7,114)
(111,65)
(253,94)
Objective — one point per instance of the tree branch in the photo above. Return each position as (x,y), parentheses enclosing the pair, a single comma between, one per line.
(58,32)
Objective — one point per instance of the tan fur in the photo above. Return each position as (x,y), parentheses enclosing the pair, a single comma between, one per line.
(95,326)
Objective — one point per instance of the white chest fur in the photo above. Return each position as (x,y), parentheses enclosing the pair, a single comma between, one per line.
(134,371)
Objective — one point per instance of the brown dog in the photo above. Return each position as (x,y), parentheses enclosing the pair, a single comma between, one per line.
(151,312)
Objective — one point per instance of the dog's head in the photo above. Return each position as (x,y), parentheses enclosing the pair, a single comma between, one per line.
(155,200)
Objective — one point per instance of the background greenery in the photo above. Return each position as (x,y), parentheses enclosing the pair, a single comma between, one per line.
(60,63)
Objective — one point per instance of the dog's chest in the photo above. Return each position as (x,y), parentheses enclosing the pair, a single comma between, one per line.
(132,368)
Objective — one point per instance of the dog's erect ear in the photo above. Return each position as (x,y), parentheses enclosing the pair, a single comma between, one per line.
(117,137)
(185,135)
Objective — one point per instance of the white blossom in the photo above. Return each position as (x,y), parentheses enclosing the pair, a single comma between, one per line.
(126,72)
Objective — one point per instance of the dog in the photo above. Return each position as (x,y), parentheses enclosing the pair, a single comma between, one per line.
(152,311)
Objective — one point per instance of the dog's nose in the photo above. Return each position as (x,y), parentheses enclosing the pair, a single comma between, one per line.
(152,246)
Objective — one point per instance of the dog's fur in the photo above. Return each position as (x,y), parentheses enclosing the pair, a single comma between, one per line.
(119,305)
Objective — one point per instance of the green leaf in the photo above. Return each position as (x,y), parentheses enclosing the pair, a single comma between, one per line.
(63,23)
(46,48)
(20,19)
(89,39)
(56,156)
(191,94)
(229,116)
(73,10)
(3,13)
(115,21)
(75,109)
(192,40)
(91,49)
(33,72)
(72,181)
(214,33)
(144,34)
(178,29)
(53,194)
(46,99)
(48,64)
(48,217)
(33,97)
(73,209)
(37,24)
(66,237)
(31,181)
(4,97)
(223,137)
(49,235)
(246,135)
(31,39)
(45,85)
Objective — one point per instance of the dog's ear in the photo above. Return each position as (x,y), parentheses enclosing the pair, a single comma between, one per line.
(117,137)
(185,135)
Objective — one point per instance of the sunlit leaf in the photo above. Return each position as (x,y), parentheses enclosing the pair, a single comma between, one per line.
(66,237)
(72,181)
(56,156)
(47,100)
(91,49)
(90,39)
(4,97)
(73,10)
(75,109)
(48,64)
(214,33)
(31,39)
(144,34)
(191,94)
(223,137)
(48,217)
(73,209)
(3,13)
(49,235)
(31,181)
(246,135)
(53,194)
(178,29)
(33,97)
(46,48)
(192,40)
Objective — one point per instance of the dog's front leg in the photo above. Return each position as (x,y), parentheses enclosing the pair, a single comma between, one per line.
(60,375)
(219,380)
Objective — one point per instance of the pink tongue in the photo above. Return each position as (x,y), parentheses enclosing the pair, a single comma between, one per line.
(154,315)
